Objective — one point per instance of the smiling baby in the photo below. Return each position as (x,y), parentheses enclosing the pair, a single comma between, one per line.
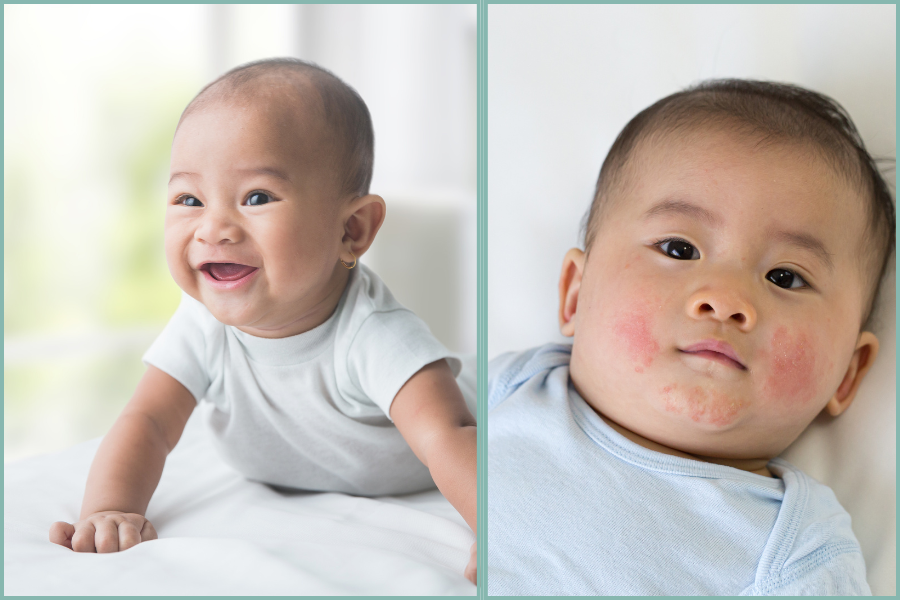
(319,379)
(733,252)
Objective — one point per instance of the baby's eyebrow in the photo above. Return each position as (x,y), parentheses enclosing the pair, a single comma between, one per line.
(182,174)
(680,207)
(803,241)
(259,171)
(267,171)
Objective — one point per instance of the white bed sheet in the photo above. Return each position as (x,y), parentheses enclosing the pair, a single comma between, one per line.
(220,534)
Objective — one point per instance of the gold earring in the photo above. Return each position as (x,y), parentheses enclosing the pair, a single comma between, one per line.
(345,264)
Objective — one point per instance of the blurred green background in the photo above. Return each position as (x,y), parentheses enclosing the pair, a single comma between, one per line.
(92,94)
(86,145)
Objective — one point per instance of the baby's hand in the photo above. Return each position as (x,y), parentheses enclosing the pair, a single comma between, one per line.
(472,568)
(107,531)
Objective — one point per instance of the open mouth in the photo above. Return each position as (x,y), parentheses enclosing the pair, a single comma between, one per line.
(228,271)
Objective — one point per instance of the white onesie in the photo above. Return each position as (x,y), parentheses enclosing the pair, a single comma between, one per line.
(309,411)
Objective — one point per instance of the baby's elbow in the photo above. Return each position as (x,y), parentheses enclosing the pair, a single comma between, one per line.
(450,440)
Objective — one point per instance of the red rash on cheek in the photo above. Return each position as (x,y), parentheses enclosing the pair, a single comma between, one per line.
(792,372)
(633,330)
(702,406)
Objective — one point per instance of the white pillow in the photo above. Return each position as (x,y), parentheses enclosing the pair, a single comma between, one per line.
(855,454)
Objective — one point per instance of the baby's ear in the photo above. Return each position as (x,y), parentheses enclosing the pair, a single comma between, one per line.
(862,359)
(363,217)
(569,285)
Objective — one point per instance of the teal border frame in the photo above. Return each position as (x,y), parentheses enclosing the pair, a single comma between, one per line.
(482,291)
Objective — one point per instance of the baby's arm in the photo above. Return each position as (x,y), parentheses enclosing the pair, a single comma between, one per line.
(431,414)
(127,468)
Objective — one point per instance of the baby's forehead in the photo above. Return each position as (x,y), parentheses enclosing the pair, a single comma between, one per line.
(269,128)
(715,146)
(291,117)
(741,179)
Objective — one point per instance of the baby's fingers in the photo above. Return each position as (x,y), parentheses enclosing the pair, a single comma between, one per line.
(83,538)
(128,535)
(61,533)
(134,529)
(471,572)
(148,532)
(107,537)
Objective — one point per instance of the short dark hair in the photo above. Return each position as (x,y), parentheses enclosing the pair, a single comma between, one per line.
(346,113)
(777,112)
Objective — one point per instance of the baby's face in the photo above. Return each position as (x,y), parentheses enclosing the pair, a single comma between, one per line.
(253,228)
(720,303)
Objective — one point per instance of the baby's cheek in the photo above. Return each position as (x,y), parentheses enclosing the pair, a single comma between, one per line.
(633,330)
(792,367)
(701,405)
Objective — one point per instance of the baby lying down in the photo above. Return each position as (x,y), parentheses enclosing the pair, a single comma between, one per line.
(733,251)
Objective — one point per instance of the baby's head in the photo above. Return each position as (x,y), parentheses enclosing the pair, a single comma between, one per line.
(733,253)
(269,193)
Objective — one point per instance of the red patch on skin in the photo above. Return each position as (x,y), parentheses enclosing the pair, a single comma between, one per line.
(633,330)
(792,374)
(702,406)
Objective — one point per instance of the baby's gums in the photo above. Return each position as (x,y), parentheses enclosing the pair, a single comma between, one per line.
(792,375)
(633,329)
(706,406)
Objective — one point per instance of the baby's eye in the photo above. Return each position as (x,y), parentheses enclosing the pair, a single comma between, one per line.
(785,279)
(257,198)
(189,201)
(679,249)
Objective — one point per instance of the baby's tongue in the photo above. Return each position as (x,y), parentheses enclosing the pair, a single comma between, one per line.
(229,271)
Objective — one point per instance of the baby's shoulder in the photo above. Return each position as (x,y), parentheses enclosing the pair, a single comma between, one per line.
(367,293)
(812,511)
(813,550)
(369,316)
(379,344)
(507,372)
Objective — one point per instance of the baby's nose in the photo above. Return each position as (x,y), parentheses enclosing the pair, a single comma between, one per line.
(724,304)
(218,227)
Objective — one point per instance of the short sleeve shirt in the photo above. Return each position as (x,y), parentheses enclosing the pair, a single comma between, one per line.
(310,411)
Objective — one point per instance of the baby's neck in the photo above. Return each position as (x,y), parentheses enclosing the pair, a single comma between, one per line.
(753,465)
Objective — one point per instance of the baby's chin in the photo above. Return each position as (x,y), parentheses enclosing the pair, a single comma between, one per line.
(685,417)
(682,400)
(709,408)
(228,317)
(710,424)
(228,311)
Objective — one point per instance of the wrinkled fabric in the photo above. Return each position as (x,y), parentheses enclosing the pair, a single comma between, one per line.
(575,508)
(222,535)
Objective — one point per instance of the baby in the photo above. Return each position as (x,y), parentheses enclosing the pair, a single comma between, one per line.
(319,378)
(733,252)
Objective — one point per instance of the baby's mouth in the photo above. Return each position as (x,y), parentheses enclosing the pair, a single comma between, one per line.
(718,357)
(227,271)
(717,351)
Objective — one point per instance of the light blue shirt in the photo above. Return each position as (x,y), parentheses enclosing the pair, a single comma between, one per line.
(575,508)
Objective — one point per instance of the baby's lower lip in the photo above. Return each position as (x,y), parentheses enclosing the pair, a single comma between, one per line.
(227,276)
(718,357)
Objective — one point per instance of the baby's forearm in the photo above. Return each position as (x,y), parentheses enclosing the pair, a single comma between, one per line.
(452,460)
(127,467)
